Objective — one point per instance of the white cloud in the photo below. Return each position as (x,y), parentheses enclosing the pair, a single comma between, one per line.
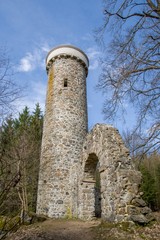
(45,48)
(87,37)
(34,59)
(27,63)
(92,52)
(94,65)
(93,55)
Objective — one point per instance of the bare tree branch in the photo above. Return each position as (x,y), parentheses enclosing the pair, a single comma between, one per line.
(9,90)
(144,14)
(131,65)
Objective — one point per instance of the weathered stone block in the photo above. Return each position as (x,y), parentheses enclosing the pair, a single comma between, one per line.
(139,202)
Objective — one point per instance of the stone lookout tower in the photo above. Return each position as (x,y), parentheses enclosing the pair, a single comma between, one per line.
(83,174)
(65,127)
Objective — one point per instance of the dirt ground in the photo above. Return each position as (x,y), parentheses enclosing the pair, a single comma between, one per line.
(89,230)
(57,230)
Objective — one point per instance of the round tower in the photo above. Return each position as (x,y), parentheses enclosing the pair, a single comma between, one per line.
(65,127)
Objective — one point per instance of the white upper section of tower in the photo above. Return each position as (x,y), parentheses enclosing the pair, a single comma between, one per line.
(67,50)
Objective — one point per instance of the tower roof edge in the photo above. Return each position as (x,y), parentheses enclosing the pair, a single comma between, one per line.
(68,50)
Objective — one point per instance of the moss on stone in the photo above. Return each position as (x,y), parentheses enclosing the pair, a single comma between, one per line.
(69,213)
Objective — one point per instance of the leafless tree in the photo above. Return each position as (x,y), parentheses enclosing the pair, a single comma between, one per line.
(9,90)
(131,65)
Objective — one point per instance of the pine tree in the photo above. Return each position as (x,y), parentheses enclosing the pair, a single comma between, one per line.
(148,187)
(20,141)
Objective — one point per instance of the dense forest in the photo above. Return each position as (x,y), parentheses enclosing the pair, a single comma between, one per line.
(20,141)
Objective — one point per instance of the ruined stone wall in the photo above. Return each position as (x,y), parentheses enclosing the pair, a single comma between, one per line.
(65,127)
(120,199)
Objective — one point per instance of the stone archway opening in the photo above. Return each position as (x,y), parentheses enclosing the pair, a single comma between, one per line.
(97,193)
(91,188)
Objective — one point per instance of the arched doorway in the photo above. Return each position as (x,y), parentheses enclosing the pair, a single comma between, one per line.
(91,188)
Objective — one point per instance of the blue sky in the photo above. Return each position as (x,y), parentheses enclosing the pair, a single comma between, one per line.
(30,28)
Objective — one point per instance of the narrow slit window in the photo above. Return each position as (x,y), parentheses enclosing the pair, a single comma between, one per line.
(65,82)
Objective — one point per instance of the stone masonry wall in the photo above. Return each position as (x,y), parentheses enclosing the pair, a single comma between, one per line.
(83,175)
(65,127)
(120,198)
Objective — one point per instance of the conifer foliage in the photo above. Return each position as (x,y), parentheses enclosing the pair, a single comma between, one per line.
(150,186)
(20,141)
